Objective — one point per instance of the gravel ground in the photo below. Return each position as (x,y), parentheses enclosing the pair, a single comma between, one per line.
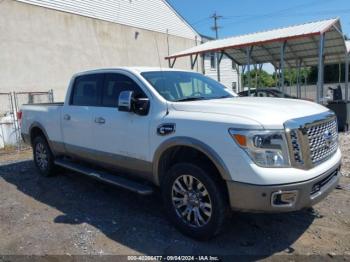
(71,215)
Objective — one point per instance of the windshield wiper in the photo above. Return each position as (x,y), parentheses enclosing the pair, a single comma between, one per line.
(192,98)
(224,96)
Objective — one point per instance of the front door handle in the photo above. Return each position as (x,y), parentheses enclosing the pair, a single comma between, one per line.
(100,120)
(66,117)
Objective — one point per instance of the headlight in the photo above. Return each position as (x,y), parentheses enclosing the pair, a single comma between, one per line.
(267,148)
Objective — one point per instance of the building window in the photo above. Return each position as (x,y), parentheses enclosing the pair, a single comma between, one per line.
(234,65)
(212,60)
(234,86)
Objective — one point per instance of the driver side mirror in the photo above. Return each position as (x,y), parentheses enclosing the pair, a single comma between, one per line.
(127,103)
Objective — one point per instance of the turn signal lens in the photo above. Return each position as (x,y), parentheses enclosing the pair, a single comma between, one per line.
(240,139)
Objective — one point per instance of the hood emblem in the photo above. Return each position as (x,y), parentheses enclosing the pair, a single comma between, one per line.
(328,138)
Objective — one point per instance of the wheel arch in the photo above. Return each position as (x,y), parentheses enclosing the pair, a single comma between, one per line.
(37,129)
(191,143)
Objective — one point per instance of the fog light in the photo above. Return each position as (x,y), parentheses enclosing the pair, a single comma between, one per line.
(284,198)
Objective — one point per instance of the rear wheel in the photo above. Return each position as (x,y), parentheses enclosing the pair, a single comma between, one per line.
(43,157)
(194,201)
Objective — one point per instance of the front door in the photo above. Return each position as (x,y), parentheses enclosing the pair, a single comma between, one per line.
(122,138)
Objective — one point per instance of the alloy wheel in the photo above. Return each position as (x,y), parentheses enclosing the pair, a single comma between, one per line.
(191,201)
(41,156)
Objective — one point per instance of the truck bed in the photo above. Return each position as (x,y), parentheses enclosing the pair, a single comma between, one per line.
(48,115)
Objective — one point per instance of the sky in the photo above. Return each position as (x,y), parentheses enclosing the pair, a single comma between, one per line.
(241,17)
(249,16)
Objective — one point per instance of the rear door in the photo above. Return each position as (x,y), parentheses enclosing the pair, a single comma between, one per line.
(123,137)
(77,121)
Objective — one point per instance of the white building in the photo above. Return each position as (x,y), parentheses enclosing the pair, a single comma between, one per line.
(44,42)
(229,72)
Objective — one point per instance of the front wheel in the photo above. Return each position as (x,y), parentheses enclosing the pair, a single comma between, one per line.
(43,157)
(194,200)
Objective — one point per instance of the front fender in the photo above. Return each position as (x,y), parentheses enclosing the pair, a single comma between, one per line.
(189,142)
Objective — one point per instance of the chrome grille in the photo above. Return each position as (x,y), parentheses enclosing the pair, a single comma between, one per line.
(312,140)
(322,148)
(296,147)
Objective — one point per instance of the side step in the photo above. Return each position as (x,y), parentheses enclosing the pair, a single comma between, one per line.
(106,177)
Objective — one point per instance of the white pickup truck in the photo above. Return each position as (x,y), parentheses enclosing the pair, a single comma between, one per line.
(208,150)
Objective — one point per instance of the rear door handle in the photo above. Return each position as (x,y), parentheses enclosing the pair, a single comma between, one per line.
(100,120)
(66,117)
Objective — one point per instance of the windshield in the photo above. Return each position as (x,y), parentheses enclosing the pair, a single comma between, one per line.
(179,86)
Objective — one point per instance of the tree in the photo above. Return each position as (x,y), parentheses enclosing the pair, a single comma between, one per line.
(291,75)
(264,79)
(331,73)
(259,79)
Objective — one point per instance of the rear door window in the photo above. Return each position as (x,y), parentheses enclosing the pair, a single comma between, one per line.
(87,90)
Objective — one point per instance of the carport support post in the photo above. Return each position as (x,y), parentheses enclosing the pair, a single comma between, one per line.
(346,78)
(320,81)
(218,66)
(171,64)
(241,77)
(193,61)
(283,49)
(276,76)
(249,54)
(203,63)
(259,79)
(238,89)
(299,79)
(219,58)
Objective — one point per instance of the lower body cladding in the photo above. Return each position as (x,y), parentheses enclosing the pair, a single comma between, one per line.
(282,198)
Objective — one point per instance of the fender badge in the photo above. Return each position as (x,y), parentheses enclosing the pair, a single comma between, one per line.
(166,129)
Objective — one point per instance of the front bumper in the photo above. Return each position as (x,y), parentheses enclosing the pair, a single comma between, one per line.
(258,198)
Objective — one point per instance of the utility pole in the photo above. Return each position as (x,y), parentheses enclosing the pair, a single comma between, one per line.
(216,28)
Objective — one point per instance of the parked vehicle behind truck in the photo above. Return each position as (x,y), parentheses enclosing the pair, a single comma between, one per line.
(208,150)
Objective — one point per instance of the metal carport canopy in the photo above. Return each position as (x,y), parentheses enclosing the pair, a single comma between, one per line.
(302,43)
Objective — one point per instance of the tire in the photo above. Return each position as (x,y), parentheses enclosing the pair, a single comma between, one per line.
(183,208)
(43,157)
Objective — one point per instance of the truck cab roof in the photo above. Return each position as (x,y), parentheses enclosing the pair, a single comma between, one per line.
(139,69)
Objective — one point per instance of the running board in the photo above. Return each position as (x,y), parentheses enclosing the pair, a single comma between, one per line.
(106,177)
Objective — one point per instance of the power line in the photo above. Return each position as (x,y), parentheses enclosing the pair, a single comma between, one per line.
(323,13)
(275,14)
(201,20)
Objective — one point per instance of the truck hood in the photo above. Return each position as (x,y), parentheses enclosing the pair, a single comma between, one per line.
(269,112)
